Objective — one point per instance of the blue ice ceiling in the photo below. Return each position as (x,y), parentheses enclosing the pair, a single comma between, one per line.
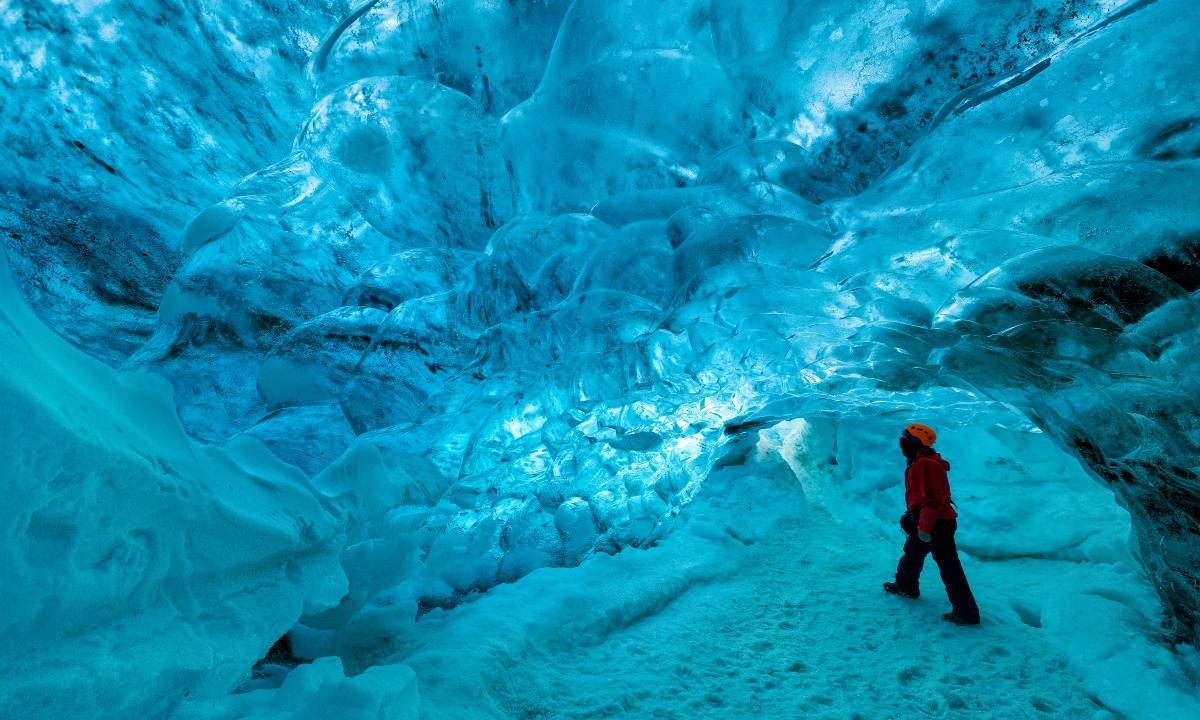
(505,280)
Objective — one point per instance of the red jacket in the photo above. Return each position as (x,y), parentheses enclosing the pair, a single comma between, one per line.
(927,490)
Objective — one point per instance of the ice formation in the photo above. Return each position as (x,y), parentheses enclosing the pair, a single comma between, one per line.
(531,317)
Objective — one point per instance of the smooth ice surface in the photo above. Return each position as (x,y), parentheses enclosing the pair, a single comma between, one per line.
(503,282)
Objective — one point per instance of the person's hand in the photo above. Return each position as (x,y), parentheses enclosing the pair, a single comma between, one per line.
(924,536)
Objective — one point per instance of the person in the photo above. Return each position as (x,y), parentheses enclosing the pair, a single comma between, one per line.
(930,522)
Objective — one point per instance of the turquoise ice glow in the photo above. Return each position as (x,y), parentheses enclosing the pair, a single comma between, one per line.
(545,359)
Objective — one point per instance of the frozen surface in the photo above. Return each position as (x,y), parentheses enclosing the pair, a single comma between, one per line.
(317,691)
(764,604)
(142,568)
(503,281)
(114,138)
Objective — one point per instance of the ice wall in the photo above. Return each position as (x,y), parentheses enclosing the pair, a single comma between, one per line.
(142,571)
(120,120)
(535,263)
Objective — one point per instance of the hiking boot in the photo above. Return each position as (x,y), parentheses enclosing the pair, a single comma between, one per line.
(959,619)
(895,589)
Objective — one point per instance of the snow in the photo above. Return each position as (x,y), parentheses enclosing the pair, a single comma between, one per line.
(129,550)
(320,690)
(762,604)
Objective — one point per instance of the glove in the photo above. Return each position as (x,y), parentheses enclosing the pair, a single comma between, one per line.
(924,536)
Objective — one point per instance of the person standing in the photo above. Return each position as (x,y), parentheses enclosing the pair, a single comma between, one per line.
(930,522)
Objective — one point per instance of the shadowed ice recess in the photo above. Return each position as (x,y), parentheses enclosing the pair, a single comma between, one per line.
(549,360)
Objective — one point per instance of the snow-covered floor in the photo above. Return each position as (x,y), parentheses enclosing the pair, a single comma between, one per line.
(764,605)
(802,630)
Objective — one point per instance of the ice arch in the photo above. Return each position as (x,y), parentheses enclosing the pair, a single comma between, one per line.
(529,269)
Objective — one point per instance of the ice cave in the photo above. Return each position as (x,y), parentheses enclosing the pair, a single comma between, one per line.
(548,359)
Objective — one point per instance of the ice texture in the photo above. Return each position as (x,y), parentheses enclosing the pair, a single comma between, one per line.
(528,272)
(143,567)
(114,137)
(753,605)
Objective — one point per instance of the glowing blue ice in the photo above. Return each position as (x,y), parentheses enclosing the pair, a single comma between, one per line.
(526,272)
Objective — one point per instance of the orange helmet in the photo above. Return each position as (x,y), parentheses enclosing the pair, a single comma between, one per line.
(923,433)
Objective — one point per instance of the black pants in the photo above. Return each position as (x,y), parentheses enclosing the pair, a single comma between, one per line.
(945,554)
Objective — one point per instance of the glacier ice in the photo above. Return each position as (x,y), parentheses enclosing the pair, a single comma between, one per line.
(133,551)
(97,102)
(510,288)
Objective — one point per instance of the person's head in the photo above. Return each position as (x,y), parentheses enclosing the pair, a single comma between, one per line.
(916,438)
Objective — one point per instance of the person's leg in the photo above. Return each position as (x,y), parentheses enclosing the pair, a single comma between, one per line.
(908,571)
(945,554)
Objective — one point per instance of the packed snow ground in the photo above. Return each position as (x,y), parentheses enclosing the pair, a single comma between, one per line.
(767,604)
(801,630)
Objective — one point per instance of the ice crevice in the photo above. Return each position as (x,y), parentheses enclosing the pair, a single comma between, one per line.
(487,350)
